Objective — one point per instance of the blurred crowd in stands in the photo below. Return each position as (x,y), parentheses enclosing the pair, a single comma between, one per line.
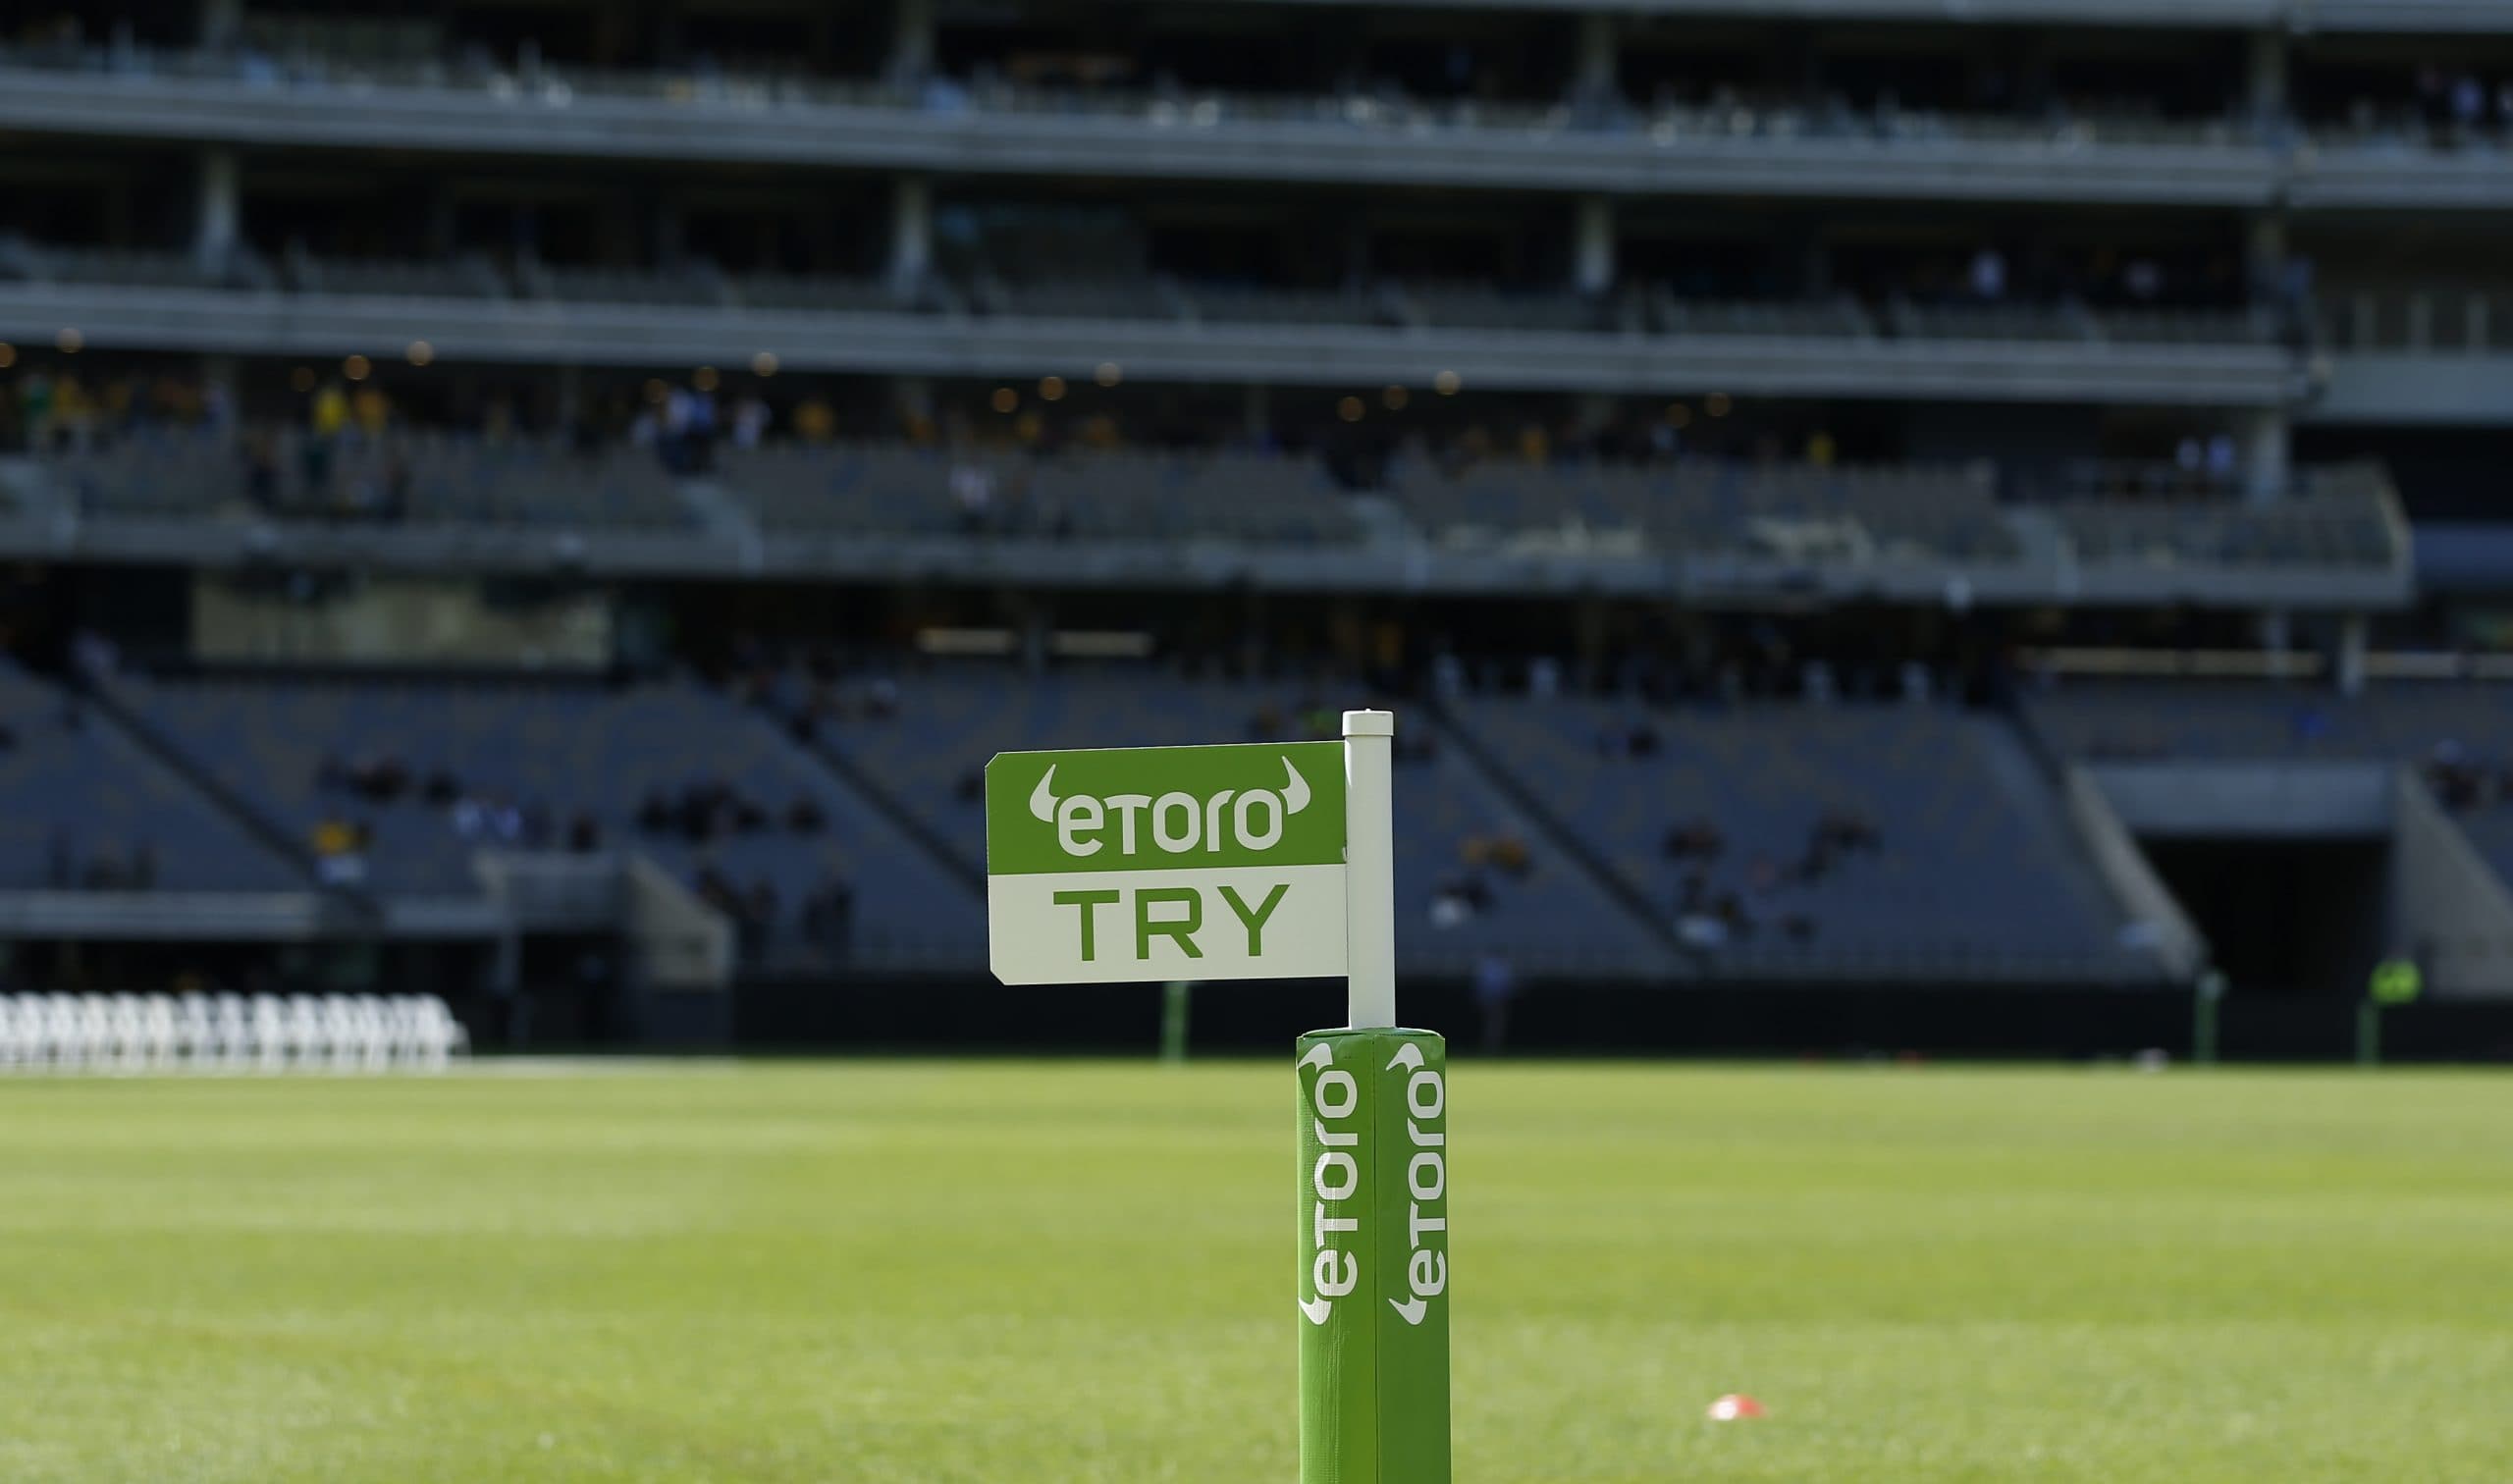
(44,410)
(332,447)
(699,815)
(2465,781)
(2454,107)
(364,786)
(99,868)
(1710,915)
(1487,865)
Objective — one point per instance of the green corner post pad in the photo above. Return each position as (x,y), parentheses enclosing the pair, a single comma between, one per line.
(1373,1222)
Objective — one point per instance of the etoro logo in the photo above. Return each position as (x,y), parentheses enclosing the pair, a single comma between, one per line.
(1180,823)
(1374,1204)
(1334,1177)
(1426,1183)
(1137,808)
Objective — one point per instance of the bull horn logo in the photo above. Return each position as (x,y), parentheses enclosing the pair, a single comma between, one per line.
(1295,790)
(1043,799)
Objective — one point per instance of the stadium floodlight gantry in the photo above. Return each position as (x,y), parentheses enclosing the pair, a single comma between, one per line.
(147,1034)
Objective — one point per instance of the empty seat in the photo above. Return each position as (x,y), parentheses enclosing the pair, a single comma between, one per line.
(159,1034)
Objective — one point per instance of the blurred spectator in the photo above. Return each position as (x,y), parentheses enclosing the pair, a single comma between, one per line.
(1509,855)
(814,422)
(340,852)
(750,422)
(1989,276)
(2469,103)
(1699,839)
(261,472)
(370,411)
(973,493)
(829,917)
(1495,986)
(104,873)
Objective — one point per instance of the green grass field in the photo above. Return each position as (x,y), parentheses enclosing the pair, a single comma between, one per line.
(953,1271)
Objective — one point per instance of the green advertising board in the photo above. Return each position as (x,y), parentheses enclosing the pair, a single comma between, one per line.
(1162,863)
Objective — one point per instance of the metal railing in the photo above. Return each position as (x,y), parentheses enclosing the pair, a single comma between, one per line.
(560,86)
(2471,321)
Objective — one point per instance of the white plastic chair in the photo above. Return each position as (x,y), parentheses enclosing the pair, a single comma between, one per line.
(77,1032)
(440,1036)
(307,1034)
(374,1034)
(195,1034)
(266,1033)
(158,1039)
(233,1033)
(337,1017)
(127,1032)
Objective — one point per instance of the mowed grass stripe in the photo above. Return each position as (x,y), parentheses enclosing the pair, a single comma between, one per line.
(1000,1271)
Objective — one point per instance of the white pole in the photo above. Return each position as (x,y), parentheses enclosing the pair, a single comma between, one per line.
(1369,868)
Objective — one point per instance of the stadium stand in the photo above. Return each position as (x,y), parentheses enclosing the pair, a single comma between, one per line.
(1813,839)
(1315,337)
(83,806)
(2224,722)
(2458,736)
(1797,513)
(1133,496)
(467,275)
(1261,304)
(2155,518)
(1395,303)
(1840,317)
(2333,531)
(403,783)
(417,475)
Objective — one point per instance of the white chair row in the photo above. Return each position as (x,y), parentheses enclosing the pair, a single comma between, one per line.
(228,1033)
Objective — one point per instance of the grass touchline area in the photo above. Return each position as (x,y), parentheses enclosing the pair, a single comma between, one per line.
(993,1271)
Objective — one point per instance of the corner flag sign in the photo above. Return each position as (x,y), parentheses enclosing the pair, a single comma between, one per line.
(1269,862)
(1164,863)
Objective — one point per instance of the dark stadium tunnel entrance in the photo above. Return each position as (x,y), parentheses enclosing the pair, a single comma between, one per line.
(2287,919)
